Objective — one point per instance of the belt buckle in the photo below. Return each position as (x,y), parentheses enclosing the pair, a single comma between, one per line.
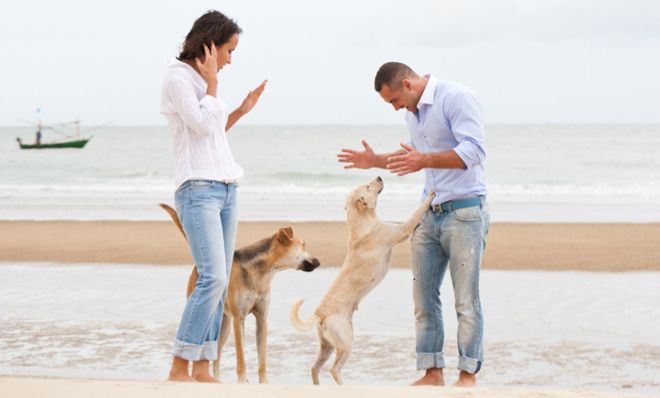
(448,207)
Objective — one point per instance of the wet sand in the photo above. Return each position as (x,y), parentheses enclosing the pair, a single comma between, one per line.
(511,246)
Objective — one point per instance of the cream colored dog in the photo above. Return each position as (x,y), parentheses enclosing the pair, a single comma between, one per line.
(370,243)
(252,271)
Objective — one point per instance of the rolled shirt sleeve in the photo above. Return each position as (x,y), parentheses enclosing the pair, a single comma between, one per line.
(411,144)
(464,114)
(200,115)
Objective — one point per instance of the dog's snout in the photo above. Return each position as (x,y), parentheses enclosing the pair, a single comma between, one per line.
(309,266)
(380,184)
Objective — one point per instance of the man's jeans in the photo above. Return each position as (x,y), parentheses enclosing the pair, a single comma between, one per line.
(456,238)
(208,212)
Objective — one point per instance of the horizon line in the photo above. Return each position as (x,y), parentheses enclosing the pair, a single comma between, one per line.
(375,124)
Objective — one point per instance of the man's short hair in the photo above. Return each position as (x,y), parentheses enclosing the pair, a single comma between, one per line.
(391,74)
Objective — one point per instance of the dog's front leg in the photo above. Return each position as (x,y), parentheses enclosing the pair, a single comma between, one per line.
(409,226)
(262,333)
(225,329)
(239,327)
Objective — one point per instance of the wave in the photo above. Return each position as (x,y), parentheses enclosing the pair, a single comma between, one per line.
(305,177)
(649,191)
(630,192)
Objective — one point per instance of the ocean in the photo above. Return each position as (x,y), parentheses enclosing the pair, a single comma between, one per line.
(535,173)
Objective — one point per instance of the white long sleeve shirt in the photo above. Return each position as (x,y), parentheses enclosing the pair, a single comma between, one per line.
(198,123)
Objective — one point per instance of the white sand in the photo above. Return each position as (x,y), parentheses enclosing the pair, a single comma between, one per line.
(60,388)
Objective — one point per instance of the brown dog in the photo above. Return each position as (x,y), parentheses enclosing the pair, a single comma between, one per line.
(253,269)
(370,243)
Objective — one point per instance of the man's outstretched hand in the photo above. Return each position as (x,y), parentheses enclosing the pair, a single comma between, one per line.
(406,163)
(358,159)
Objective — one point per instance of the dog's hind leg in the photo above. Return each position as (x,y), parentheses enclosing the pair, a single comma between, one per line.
(225,330)
(339,331)
(325,350)
(340,360)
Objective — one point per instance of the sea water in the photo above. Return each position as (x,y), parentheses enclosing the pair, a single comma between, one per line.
(608,173)
(558,330)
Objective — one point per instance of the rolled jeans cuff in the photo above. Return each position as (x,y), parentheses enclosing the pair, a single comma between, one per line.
(195,352)
(429,360)
(469,365)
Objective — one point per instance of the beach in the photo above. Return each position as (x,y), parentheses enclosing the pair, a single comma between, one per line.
(546,112)
(98,302)
(93,272)
(611,247)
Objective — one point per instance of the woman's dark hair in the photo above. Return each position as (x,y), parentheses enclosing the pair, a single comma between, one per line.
(212,27)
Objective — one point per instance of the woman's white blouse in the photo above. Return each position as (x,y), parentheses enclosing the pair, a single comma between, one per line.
(198,122)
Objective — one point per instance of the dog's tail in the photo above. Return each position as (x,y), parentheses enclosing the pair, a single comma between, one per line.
(175,218)
(192,279)
(303,326)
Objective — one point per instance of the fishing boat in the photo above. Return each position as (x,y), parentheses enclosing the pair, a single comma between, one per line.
(68,141)
(61,144)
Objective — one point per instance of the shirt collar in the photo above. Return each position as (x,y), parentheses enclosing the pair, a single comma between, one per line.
(429,92)
(195,75)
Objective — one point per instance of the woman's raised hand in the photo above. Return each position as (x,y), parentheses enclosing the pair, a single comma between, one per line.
(208,68)
(252,97)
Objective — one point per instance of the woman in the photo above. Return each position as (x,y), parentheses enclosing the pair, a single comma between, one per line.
(205,176)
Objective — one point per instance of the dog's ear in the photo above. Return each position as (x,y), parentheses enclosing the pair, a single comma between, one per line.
(285,235)
(361,204)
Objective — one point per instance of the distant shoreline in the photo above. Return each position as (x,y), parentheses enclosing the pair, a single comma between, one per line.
(608,247)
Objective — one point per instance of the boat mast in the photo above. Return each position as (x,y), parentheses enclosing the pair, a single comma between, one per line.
(39,119)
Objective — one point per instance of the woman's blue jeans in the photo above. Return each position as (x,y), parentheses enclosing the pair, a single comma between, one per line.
(208,212)
(454,239)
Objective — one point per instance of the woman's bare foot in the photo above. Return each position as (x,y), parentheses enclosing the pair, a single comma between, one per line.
(205,378)
(432,377)
(200,372)
(466,379)
(185,377)
(179,371)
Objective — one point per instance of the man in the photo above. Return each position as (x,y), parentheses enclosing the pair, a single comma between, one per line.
(447,141)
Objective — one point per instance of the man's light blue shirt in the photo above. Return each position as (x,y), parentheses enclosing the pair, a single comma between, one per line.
(449,118)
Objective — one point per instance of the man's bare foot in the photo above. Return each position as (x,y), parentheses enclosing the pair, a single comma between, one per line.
(466,379)
(432,377)
(179,371)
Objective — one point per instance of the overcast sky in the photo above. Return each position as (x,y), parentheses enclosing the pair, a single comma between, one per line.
(529,61)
